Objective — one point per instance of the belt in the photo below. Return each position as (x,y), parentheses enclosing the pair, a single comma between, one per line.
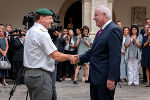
(37,69)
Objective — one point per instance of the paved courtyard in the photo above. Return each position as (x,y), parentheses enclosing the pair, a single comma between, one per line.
(68,91)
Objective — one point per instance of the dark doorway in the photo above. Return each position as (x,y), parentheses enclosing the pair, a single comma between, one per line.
(74,13)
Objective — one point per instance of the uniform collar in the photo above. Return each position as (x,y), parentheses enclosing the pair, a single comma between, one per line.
(41,26)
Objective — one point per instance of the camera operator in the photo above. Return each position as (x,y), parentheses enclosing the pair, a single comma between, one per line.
(18,47)
(62,42)
(54,36)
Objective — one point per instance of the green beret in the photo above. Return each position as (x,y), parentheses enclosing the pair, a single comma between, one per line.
(44,11)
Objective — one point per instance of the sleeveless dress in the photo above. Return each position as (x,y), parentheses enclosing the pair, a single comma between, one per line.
(146,54)
(3,72)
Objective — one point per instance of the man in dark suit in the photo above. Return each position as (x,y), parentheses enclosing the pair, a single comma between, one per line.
(18,57)
(104,56)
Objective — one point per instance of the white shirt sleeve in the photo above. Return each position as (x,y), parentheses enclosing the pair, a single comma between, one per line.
(46,44)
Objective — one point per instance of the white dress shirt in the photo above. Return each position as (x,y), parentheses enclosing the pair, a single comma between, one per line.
(38,47)
(67,47)
(106,24)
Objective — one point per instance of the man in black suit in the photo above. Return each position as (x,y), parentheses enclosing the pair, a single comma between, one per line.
(119,24)
(104,56)
(18,46)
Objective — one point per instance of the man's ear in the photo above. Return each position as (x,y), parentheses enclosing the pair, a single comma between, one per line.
(41,17)
(104,15)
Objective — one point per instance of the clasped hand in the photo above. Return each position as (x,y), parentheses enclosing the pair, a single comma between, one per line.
(4,53)
(74,59)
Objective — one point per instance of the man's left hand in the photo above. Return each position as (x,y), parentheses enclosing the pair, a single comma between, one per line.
(111,84)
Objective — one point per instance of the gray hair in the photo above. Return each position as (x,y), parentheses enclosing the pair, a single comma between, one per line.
(103,9)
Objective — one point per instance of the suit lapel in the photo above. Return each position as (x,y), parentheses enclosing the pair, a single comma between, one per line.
(104,31)
(97,38)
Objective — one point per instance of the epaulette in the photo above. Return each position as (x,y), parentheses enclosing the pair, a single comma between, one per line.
(43,30)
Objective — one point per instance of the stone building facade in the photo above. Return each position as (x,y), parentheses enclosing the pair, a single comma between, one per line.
(127,11)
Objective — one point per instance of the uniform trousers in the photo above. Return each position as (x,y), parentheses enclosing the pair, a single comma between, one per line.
(53,77)
(39,84)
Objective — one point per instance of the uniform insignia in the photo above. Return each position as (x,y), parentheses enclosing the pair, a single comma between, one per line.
(43,30)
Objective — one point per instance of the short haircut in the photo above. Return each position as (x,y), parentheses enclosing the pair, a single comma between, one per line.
(2,29)
(106,10)
(79,29)
(70,30)
(118,21)
(1,24)
(69,23)
(65,29)
(37,16)
(8,25)
(147,19)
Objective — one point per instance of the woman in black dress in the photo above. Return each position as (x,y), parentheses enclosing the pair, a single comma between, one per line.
(3,52)
(146,55)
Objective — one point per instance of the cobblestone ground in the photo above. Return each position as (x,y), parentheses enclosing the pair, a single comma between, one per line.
(68,91)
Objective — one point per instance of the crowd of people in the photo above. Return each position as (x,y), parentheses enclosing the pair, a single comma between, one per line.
(135,53)
(70,42)
(11,47)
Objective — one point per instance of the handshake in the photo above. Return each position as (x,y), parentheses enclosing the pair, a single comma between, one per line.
(74,59)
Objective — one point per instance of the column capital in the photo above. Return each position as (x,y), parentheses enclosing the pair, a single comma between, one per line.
(86,0)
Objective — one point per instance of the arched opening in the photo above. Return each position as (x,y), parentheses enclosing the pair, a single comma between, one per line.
(74,15)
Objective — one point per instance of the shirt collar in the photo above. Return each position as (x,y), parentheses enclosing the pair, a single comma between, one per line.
(106,24)
(41,26)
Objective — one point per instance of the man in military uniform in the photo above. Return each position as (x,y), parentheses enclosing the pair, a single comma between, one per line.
(39,56)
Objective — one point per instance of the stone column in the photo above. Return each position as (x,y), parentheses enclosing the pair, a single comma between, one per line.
(110,5)
(86,13)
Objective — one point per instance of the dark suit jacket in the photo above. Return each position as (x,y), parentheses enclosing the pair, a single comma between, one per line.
(142,32)
(10,49)
(18,50)
(62,43)
(105,55)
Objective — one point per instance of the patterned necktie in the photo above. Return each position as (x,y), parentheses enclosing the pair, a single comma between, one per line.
(100,31)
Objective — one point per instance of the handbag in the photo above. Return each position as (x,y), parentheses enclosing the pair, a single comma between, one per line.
(4,64)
